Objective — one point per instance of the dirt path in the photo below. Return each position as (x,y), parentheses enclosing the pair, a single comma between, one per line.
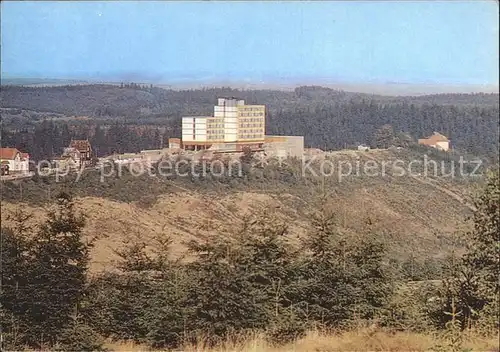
(432,184)
(446,191)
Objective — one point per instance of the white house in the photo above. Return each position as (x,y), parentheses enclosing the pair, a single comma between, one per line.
(13,161)
(73,157)
(437,140)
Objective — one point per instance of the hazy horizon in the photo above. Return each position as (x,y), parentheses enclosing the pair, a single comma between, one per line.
(388,88)
(411,45)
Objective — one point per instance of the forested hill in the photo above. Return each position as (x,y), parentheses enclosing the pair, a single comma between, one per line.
(328,118)
(133,100)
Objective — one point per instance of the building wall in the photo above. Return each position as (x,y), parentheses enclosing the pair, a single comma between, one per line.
(67,163)
(174,143)
(194,129)
(215,129)
(274,139)
(17,165)
(233,122)
(284,146)
(443,146)
(200,128)
(24,166)
(227,114)
(251,122)
(12,165)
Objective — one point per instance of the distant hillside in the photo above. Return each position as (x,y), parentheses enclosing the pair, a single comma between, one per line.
(142,100)
(38,81)
(329,119)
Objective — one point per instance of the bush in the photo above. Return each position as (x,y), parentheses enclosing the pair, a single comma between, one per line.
(285,328)
(79,337)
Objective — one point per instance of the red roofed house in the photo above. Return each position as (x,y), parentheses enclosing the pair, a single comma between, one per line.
(13,161)
(437,140)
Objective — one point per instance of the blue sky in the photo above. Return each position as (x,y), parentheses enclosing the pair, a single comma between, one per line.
(452,42)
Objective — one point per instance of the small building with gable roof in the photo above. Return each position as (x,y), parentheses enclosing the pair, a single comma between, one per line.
(13,161)
(437,140)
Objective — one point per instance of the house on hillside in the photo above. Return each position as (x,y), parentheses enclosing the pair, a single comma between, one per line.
(174,143)
(85,150)
(13,161)
(70,159)
(437,140)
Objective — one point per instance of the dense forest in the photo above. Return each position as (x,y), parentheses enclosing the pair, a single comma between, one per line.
(131,117)
(252,280)
(47,139)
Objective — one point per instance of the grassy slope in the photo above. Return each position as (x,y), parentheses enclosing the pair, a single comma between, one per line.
(357,340)
(413,215)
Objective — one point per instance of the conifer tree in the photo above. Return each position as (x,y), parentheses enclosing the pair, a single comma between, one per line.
(44,272)
(343,276)
(59,259)
(483,242)
(239,285)
(474,280)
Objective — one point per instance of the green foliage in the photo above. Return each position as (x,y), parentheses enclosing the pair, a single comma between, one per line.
(404,140)
(14,246)
(220,297)
(489,318)
(473,281)
(250,279)
(45,273)
(412,308)
(58,269)
(78,337)
(384,137)
(452,333)
(116,305)
(416,269)
(143,302)
(483,242)
(243,279)
(144,118)
(286,327)
(343,277)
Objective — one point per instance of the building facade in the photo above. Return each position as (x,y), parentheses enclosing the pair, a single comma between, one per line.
(13,161)
(84,148)
(233,127)
(71,158)
(284,146)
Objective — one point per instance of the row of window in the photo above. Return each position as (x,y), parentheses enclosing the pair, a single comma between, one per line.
(251,131)
(254,125)
(251,136)
(215,131)
(251,119)
(249,108)
(215,137)
(244,114)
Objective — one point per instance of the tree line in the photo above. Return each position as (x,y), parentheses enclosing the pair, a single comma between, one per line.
(49,138)
(250,279)
(328,119)
(333,127)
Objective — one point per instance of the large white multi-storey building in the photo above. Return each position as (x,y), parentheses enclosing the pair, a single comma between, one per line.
(234,126)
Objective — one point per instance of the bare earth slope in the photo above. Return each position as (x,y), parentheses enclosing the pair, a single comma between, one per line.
(415,215)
